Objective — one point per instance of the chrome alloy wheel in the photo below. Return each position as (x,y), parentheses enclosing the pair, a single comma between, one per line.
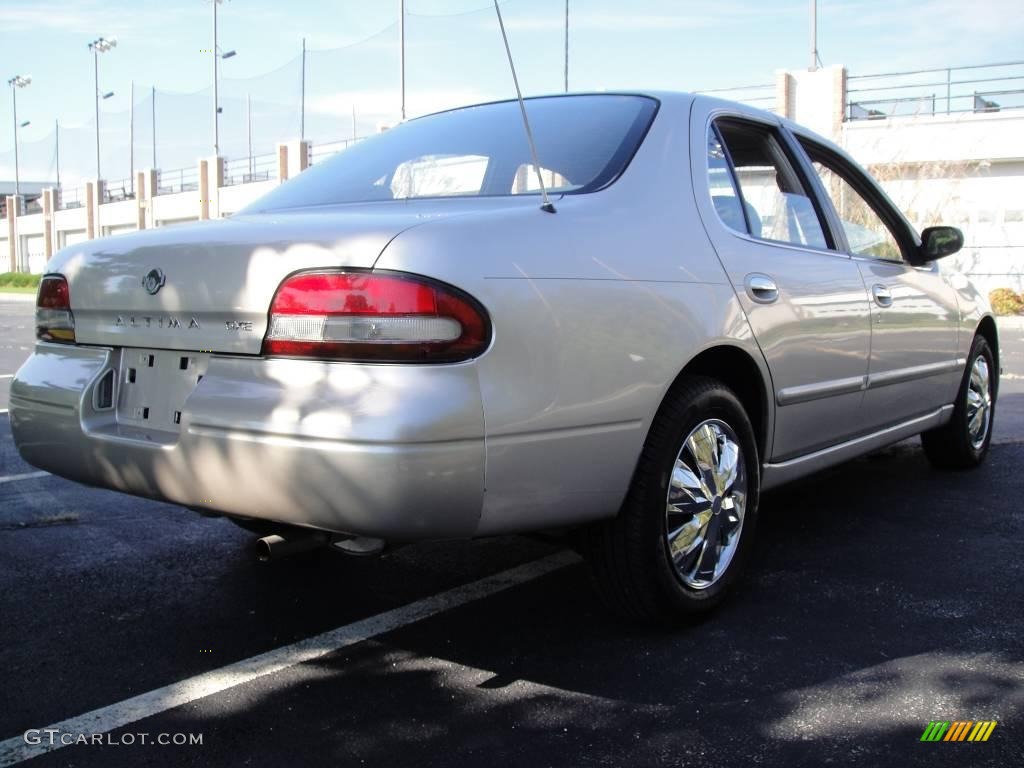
(707,496)
(979,402)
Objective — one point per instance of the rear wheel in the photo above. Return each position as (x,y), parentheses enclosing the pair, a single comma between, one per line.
(963,442)
(685,528)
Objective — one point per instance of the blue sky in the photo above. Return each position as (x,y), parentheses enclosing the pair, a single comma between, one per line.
(454,52)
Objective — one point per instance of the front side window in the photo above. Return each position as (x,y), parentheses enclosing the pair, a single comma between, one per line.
(583,144)
(866,233)
(774,203)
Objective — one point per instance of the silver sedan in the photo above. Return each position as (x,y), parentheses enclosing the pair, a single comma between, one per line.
(402,343)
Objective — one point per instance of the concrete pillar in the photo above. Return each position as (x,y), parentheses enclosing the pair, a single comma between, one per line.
(90,210)
(148,188)
(100,193)
(140,199)
(282,163)
(298,157)
(784,94)
(13,205)
(215,170)
(204,190)
(839,76)
(819,99)
(49,206)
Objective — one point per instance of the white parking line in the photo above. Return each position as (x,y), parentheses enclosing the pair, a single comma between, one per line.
(6,375)
(25,476)
(14,750)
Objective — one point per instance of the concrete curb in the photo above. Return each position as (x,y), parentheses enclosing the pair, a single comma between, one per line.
(1010,323)
(14,298)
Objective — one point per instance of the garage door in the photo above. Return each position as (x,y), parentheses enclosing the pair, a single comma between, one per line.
(73,237)
(35,253)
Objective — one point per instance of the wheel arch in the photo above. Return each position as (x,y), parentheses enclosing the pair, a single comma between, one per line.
(987,329)
(737,369)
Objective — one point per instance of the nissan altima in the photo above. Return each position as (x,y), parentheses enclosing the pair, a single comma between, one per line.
(402,343)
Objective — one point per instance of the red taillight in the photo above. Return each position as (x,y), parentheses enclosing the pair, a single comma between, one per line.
(54,321)
(374,316)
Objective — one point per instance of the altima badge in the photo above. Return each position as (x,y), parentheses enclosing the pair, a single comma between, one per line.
(154,281)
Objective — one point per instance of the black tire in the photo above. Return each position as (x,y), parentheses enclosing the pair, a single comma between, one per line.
(629,558)
(952,446)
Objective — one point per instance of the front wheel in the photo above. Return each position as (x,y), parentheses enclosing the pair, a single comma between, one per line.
(963,442)
(685,528)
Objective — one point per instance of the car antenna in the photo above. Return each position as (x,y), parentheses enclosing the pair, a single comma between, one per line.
(546,205)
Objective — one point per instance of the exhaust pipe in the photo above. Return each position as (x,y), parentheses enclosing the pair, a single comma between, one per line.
(276,546)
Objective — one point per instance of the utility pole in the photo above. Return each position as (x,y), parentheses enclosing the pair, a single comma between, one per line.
(566,46)
(96,82)
(16,82)
(56,149)
(814,35)
(98,46)
(152,105)
(216,96)
(131,137)
(14,106)
(248,120)
(302,103)
(401,35)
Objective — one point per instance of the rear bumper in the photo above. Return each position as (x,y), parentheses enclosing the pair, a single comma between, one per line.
(394,452)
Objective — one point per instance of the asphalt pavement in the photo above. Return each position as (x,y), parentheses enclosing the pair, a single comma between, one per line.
(882,595)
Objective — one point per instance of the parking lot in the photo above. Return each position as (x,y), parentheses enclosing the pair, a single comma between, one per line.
(882,595)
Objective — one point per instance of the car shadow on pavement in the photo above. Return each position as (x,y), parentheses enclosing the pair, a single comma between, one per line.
(881,596)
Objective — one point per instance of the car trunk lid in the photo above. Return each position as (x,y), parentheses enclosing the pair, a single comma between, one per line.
(208,286)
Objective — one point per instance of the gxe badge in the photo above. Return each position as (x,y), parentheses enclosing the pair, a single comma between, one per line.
(154,281)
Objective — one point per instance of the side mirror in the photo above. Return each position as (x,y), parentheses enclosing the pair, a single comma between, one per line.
(937,242)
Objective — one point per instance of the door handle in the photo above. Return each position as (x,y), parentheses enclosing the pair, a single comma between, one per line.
(761,288)
(883,296)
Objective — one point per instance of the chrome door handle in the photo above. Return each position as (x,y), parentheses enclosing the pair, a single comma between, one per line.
(883,297)
(761,288)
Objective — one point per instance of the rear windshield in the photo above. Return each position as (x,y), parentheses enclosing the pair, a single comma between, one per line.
(583,144)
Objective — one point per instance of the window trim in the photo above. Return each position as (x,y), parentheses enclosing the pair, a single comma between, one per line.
(796,167)
(629,147)
(733,179)
(864,185)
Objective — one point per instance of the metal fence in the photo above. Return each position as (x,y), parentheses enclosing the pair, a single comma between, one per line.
(121,189)
(761,96)
(70,197)
(244,170)
(979,88)
(320,152)
(178,180)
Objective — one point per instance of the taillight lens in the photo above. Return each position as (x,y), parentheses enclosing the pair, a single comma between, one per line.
(54,321)
(374,316)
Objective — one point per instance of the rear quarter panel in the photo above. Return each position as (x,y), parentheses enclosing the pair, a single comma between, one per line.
(595,310)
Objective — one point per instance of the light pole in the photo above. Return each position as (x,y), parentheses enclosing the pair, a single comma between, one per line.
(98,46)
(16,82)
(566,46)
(216,77)
(401,49)
(814,36)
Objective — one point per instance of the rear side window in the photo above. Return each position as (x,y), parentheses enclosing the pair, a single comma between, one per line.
(764,195)
(583,144)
